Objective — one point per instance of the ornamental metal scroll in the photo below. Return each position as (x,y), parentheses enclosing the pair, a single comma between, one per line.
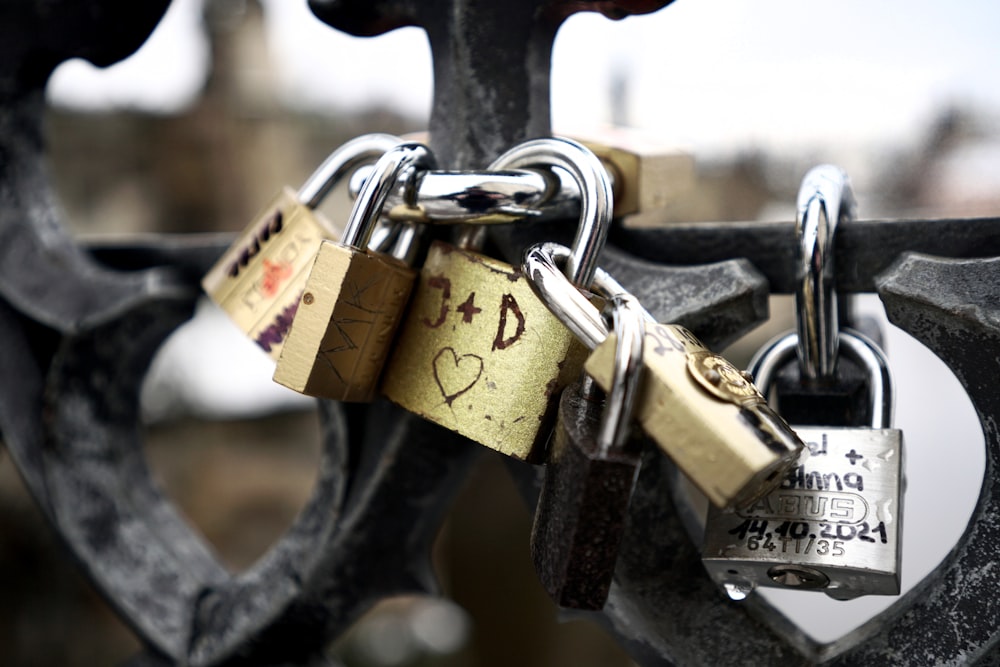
(78,326)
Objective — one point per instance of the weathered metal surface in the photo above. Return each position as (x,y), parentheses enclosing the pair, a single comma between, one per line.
(36,37)
(491,63)
(77,329)
(863,249)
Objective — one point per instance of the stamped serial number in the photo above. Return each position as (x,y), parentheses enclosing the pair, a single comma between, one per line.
(806,537)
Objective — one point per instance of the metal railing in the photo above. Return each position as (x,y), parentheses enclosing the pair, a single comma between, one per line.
(79,326)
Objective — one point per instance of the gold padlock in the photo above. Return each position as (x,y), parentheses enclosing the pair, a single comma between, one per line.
(353,298)
(648,175)
(702,411)
(479,353)
(259,279)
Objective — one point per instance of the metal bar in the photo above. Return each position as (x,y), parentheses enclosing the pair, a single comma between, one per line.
(863,248)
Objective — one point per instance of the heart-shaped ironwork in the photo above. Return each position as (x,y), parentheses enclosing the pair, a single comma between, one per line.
(666,611)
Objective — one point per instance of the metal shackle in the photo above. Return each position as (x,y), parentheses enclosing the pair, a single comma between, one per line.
(480,198)
(392,167)
(629,324)
(398,239)
(857,347)
(596,198)
(564,299)
(343,161)
(825,198)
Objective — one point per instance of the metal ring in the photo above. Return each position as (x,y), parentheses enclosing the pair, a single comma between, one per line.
(629,324)
(565,300)
(480,198)
(825,198)
(765,365)
(596,198)
(342,161)
(385,176)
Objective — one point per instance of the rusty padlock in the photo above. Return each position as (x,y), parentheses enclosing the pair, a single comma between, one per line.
(590,472)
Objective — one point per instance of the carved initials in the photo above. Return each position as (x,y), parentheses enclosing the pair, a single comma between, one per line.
(508,305)
(469,309)
(443,284)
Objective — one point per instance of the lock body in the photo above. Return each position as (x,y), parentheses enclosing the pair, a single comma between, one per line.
(583,506)
(480,354)
(347,317)
(833,525)
(706,416)
(259,279)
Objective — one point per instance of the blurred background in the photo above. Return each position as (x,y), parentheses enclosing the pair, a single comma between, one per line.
(231,99)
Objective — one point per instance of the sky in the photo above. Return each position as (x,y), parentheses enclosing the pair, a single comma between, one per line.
(710,74)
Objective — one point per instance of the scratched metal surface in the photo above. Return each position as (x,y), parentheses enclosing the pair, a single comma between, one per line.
(79,325)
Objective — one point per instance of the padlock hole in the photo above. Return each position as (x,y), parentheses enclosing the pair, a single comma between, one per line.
(236,453)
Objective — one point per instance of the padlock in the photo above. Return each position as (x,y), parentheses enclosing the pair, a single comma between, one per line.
(834,524)
(648,175)
(697,407)
(479,353)
(259,279)
(820,389)
(353,299)
(590,472)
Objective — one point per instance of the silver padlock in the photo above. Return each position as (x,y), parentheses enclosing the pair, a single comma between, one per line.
(834,523)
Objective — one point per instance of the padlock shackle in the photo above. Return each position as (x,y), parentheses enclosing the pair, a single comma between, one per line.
(825,199)
(341,163)
(596,198)
(565,300)
(397,240)
(389,170)
(629,324)
(863,351)
(479,198)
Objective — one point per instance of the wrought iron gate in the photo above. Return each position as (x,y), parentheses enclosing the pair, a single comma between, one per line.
(79,326)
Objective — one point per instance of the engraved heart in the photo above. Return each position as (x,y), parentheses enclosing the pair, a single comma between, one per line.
(455,374)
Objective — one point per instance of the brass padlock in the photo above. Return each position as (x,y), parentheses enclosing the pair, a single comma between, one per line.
(647,175)
(259,279)
(694,404)
(590,472)
(353,299)
(833,525)
(479,353)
